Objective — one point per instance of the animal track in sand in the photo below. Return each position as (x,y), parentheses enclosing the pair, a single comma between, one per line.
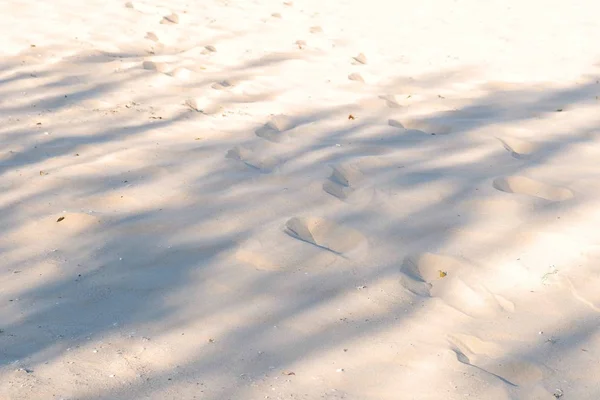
(491,358)
(325,234)
(274,130)
(434,275)
(251,159)
(516,147)
(531,187)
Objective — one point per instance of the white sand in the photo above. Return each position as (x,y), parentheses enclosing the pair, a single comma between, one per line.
(299,200)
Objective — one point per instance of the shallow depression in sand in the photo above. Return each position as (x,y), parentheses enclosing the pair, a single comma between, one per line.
(435,275)
(325,234)
(531,187)
(253,160)
(518,148)
(493,359)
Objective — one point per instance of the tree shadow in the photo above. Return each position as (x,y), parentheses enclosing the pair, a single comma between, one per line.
(199,255)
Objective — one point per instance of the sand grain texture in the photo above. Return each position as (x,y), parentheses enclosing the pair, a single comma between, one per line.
(336,199)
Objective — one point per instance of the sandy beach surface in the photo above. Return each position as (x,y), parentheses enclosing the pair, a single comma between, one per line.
(364,200)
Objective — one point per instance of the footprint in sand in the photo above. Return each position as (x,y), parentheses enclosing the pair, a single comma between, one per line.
(516,147)
(249,157)
(209,49)
(326,234)
(155,66)
(151,36)
(433,275)
(223,85)
(203,105)
(146,8)
(343,180)
(396,124)
(257,260)
(347,183)
(355,76)
(171,18)
(430,128)
(491,358)
(531,187)
(360,59)
(391,101)
(275,130)
(583,285)
(181,73)
(411,128)
(262,255)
